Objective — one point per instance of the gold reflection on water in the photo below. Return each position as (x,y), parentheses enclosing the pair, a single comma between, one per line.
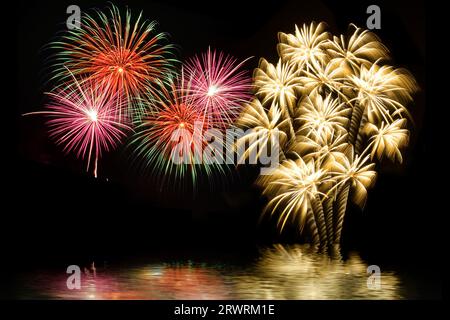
(298,272)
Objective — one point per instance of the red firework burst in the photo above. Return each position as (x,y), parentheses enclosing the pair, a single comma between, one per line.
(124,56)
(174,137)
(172,129)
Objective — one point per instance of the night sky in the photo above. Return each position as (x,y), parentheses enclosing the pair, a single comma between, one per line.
(58,211)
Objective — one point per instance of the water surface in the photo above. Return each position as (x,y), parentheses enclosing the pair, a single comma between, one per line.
(277,272)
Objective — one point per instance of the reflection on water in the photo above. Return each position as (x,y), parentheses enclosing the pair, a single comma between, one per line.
(280,272)
(300,273)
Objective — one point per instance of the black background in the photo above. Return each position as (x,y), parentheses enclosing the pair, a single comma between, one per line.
(56,213)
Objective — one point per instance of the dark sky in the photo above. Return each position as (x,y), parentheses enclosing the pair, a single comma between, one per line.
(54,198)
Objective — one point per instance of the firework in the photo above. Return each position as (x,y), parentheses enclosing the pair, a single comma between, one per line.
(322,117)
(294,187)
(355,171)
(218,86)
(347,109)
(382,91)
(277,84)
(323,78)
(124,54)
(388,139)
(265,127)
(172,138)
(320,147)
(84,120)
(306,47)
(361,48)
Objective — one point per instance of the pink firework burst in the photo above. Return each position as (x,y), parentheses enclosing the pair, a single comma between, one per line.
(218,86)
(85,120)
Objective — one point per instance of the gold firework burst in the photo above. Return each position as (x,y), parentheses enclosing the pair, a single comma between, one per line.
(270,130)
(278,83)
(362,47)
(383,90)
(388,139)
(304,47)
(340,107)
(294,189)
(322,117)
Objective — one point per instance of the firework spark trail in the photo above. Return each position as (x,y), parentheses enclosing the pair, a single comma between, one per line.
(218,86)
(84,120)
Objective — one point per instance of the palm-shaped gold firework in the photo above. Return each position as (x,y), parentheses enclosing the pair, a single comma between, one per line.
(362,47)
(295,191)
(305,47)
(322,117)
(387,139)
(338,107)
(269,130)
(277,83)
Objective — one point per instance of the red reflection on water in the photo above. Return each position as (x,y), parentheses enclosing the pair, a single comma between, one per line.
(187,282)
(163,282)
